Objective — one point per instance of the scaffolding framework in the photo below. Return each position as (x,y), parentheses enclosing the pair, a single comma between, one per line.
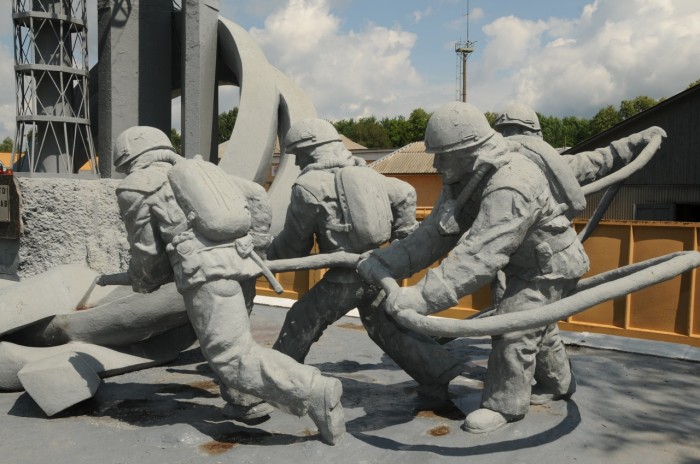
(51,80)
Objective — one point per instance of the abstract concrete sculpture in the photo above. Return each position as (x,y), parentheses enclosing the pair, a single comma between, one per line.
(175,235)
(269,101)
(343,205)
(503,208)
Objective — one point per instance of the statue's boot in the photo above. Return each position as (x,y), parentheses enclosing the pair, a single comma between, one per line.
(326,410)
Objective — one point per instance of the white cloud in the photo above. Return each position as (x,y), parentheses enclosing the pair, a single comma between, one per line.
(353,74)
(419,15)
(476,14)
(612,52)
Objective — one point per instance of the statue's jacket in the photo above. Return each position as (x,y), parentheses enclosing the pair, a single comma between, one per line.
(163,245)
(517,221)
(315,211)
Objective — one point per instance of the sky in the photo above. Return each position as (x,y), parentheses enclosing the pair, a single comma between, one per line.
(358,58)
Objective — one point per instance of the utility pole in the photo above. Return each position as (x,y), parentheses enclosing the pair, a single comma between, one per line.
(463,49)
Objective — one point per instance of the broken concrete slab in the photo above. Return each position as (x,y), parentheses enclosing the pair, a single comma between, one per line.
(59,382)
(105,361)
(58,291)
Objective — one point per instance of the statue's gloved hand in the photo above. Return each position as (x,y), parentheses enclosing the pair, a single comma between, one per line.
(642,139)
(367,266)
(651,132)
(406,298)
(244,246)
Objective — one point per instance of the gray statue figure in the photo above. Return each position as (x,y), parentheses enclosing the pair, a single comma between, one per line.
(501,209)
(187,220)
(347,206)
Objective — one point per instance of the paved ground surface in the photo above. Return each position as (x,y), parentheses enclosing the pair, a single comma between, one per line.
(629,408)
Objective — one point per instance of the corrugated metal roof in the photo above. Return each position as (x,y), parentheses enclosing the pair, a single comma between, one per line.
(411,159)
(594,141)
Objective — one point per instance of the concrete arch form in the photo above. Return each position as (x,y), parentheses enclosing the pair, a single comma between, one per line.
(269,104)
(198,51)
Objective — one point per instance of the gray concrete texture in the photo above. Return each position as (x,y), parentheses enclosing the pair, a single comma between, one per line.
(628,409)
(66,221)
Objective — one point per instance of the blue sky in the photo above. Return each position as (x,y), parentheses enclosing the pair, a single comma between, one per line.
(384,58)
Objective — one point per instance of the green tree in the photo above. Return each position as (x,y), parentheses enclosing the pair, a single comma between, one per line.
(552,130)
(575,130)
(417,122)
(397,128)
(370,133)
(605,119)
(693,84)
(491,117)
(176,140)
(6,145)
(345,127)
(629,108)
(226,122)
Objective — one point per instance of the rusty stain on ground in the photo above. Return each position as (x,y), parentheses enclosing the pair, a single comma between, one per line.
(205,385)
(440,430)
(351,326)
(223,443)
(215,447)
(547,408)
(307,432)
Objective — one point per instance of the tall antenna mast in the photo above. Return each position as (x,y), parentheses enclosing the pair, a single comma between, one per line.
(463,49)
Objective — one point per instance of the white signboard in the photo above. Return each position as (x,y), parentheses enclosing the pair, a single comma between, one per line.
(4,203)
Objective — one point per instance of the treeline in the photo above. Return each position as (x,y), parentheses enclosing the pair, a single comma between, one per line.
(559,132)
(399,131)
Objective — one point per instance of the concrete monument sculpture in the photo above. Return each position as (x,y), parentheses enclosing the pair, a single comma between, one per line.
(206,242)
(347,207)
(499,210)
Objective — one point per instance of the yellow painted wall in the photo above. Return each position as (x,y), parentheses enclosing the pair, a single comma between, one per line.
(669,311)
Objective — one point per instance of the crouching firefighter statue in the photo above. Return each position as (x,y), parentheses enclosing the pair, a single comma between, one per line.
(189,221)
(348,207)
(503,209)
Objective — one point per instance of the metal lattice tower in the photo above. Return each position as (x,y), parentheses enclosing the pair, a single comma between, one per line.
(51,72)
(463,49)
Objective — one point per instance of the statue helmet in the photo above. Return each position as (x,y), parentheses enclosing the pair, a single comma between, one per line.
(456,126)
(136,141)
(518,114)
(310,133)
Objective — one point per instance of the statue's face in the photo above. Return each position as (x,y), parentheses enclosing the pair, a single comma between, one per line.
(511,129)
(304,156)
(454,166)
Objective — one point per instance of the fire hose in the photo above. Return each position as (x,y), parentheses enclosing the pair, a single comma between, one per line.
(588,293)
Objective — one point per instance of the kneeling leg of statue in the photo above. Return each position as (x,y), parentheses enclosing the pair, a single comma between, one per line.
(219,316)
(518,357)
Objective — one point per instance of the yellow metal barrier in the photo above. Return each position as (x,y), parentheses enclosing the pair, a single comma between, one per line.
(669,311)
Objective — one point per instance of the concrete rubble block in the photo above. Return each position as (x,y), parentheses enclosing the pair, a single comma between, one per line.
(57,291)
(59,382)
(105,361)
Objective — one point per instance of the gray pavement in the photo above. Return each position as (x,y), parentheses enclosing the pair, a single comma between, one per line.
(629,408)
